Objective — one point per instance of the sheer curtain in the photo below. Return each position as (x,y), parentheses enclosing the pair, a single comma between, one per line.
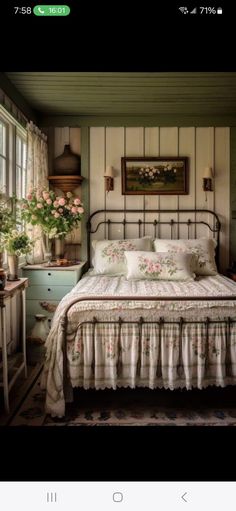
(37,173)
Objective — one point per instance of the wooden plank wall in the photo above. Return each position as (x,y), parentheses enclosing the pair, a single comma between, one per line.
(205,147)
(57,138)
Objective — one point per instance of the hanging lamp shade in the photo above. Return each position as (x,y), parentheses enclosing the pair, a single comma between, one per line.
(68,163)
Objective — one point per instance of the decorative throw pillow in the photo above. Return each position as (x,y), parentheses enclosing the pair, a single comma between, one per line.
(159,266)
(109,254)
(203,248)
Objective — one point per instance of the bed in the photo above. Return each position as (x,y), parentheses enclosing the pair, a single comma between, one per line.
(113,331)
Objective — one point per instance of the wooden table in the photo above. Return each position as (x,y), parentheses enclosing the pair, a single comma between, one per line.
(9,291)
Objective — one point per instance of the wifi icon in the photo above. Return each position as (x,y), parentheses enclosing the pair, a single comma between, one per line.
(184,10)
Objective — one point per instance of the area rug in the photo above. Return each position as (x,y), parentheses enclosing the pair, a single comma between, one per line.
(128,407)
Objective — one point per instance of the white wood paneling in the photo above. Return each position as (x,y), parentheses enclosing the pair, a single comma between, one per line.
(221,184)
(97,169)
(61,138)
(151,148)
(168,147)
(71,136)
(115,199)
(204,141)
(75,145)
(74,140)
(187,148)
(203,146)
(134,146)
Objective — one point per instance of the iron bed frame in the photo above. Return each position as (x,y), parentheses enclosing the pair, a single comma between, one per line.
(160,321)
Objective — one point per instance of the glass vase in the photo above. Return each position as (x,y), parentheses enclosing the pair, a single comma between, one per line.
(47,250)
(60,247)
(12,267)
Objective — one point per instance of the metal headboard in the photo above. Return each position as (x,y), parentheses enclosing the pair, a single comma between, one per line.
(91,228)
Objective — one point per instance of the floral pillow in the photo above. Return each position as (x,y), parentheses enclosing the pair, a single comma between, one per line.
(203,248)
(159,266)
(109,254)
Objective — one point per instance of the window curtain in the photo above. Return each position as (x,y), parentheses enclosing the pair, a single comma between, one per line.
(37,173)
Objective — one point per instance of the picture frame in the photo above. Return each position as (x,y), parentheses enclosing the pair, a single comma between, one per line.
(154,175)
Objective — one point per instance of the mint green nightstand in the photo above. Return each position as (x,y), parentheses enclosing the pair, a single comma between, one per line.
(47,286)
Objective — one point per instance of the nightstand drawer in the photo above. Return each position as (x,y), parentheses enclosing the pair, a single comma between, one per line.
(47,292)
(50,277)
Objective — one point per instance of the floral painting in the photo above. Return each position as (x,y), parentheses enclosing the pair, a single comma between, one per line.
(149,176)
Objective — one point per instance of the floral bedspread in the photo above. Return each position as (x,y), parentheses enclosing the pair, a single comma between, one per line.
(103,357)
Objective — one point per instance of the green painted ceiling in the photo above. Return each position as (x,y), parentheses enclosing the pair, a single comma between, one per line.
(134,94)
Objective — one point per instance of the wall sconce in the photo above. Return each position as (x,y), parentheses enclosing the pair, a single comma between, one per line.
(109,179)
(207,179)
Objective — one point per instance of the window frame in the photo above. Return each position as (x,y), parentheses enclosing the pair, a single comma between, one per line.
(13,129)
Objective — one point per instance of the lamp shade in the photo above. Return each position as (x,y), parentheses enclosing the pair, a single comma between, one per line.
(109,172)
(208,173)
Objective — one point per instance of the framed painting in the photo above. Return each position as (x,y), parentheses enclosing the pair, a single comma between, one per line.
(154,175)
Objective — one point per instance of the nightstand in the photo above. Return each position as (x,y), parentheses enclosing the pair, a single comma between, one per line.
(47,286)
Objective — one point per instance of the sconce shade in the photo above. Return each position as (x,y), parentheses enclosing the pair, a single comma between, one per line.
(109,172)
(109,181)
(208,173)
(207,179)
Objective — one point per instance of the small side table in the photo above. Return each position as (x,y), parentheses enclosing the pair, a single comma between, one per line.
(9,291)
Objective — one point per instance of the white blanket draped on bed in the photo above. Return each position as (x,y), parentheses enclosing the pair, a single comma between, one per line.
(154,359)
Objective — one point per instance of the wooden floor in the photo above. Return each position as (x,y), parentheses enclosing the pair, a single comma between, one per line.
(18,392)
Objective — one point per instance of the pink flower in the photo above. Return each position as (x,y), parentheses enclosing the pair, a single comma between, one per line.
(29,196)
(69,195)
(49,201)
(56,215)
(62,201)
(77,201)
(24,206)
(74,210)
(60,210)
(55,204)
(80,210)
(39,205)
(45,195)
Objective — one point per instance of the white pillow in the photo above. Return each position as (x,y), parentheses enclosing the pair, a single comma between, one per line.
(109,254)
(159,266)
(203,248)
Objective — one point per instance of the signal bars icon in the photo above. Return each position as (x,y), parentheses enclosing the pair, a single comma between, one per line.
(194,11)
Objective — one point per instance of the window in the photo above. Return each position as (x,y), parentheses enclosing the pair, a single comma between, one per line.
(3,155)
(13,147)
(20,166)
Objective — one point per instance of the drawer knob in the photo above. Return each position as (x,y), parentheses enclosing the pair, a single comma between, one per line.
(49,274)
(49,289)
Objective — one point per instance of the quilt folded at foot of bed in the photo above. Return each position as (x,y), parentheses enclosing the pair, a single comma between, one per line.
(110,355)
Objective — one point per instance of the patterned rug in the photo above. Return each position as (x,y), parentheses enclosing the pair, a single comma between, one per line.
(138,407)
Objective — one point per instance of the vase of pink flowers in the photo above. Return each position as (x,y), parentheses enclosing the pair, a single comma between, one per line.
(56,215)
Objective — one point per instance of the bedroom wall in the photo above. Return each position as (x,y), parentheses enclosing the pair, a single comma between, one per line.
(57,138)
(206,146)
(102,146)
